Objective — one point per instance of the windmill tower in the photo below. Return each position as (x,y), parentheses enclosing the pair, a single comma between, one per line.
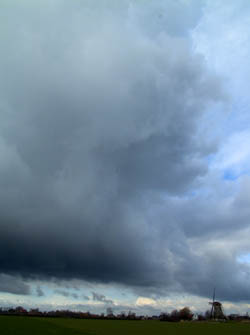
(216,309)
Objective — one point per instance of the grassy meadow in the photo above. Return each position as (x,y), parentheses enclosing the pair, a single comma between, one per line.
(11,325)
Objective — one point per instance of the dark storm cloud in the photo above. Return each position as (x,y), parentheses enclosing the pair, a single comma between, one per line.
(98,127)
(39,291)
(101,298)
(204,238)
(10,284)
(67,294)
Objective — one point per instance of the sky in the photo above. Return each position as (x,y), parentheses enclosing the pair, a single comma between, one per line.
(124,154)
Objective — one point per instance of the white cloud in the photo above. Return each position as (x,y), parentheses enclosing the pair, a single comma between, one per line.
(142,301)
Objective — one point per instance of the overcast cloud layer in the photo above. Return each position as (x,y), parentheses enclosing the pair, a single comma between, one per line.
(109,169)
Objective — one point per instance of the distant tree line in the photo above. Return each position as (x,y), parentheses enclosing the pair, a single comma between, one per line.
(184,314)
(21,311)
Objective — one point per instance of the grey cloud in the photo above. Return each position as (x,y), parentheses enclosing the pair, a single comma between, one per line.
(99,123)
(178,17)
(39,291)
(85,297)
(67,294)
(101,298)
(204,237)
(14,285)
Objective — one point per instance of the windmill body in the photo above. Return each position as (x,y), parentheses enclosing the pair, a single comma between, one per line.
(216,309)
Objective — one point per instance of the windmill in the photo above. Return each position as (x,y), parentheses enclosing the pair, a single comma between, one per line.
(216,309)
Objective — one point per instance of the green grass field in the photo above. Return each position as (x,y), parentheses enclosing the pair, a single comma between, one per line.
(10,325)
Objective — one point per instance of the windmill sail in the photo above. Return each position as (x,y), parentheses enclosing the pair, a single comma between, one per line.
(212,303)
